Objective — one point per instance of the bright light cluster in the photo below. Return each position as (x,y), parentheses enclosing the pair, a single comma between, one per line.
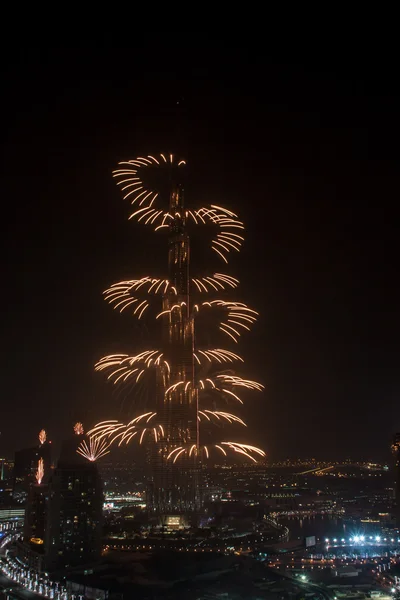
(42,436)
(137,296)
(40,471)
(129,178)
(95,449)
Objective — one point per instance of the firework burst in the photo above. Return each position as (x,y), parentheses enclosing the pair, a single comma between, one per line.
(196,384)
(95,449)
(40,471)
(42,436)
(78,428)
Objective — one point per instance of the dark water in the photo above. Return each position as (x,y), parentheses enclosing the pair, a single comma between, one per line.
(321,526)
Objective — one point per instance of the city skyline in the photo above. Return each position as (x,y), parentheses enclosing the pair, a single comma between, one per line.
(311,170)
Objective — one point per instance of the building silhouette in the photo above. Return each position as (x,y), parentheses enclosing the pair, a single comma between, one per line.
(396,454)
(31,551)
(74,516)
(35,515)
(26,464)
(190,382)
(174,487)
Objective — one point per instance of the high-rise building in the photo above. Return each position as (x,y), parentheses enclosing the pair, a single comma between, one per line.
(35,515)
(396,453)
(31,551)
(186,371)
(174,488)
(74,518)
(26,464)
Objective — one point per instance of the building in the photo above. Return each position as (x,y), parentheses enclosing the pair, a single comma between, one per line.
(175,487)
(30,550)
(396,453)
(74,518)
(35,515)
(26,464)
(346,571)
(183,369)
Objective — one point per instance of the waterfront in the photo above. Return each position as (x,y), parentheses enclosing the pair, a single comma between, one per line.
(321,526)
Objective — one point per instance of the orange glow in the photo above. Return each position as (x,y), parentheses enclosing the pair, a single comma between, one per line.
(203,384)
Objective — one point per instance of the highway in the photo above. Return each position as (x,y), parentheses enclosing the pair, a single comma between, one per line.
(17,591)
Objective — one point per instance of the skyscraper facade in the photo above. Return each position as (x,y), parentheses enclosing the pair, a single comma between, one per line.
(184,369)
(26,464)
(175,488)
(74,519)
(35,515)
(396,454)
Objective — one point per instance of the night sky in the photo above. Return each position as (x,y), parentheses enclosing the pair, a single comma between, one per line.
(305,149)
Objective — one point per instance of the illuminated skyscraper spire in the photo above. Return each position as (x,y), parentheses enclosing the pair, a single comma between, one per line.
(182,367)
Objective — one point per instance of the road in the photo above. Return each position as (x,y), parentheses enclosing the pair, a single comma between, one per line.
(326,594)
(17,591)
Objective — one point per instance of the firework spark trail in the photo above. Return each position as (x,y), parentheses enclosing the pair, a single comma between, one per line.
(122,366)
(136,296)
(115,431)
(78,428)
(42,436)
(219,355)
(245,449)
(40,471)
(96,449)
(129,178)
(125,294)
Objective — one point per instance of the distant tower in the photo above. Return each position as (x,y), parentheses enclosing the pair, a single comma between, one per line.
(74,520)
(396,453)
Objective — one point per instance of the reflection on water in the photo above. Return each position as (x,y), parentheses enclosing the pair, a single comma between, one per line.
(318,525)
(327,526)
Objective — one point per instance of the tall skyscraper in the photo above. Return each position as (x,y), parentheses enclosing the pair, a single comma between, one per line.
(175,487)
(74,519)
(186,372)
(35,515)
(396,453)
